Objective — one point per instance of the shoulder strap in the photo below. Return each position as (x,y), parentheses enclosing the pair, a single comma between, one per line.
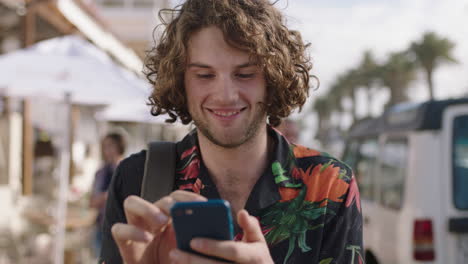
(158,178)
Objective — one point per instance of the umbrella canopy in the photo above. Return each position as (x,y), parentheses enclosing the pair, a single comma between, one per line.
(72,65)
(130,112)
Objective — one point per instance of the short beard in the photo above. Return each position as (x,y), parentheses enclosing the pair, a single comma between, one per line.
(252,130)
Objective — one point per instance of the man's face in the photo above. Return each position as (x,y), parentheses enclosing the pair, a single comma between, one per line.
(109,150)
(224,90)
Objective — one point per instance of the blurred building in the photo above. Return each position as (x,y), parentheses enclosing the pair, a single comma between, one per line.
(43,21)
(30,146)
(25,22)
(133,21)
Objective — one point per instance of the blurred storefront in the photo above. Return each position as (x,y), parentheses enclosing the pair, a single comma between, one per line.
(133,21)
(40,135)
(24,23)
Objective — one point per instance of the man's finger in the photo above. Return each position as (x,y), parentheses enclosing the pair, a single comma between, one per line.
(166,203)
(229,250)
(128,238)
(186,196)
(181,257)
(123,233)
(144,215)
(250,226)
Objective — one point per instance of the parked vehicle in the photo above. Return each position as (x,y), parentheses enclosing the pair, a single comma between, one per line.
(412,168)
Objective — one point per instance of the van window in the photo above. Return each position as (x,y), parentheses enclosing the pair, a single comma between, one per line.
(362,156)
(365,174)
(460,162)
(393,166)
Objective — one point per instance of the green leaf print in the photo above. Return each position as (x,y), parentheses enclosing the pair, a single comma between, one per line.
(291,220)
(326,261)
(355,250)
(292,185)
(292,241)
(302,242)
(278,171)
(299,225)
(313,214)
(344,175)
(326,165)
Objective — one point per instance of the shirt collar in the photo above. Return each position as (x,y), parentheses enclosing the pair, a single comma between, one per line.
(193,175)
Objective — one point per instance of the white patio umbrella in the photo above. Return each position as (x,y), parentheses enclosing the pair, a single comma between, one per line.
(130,111)
(65,66)
(72,65)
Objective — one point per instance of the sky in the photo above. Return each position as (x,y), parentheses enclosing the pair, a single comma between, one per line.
(340,31)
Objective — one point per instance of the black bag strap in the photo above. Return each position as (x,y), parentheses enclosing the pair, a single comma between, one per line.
(158,178)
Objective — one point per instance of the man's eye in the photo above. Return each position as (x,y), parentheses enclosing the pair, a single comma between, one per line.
(205,76)
(245,75)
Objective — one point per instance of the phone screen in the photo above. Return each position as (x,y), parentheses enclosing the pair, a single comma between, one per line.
(211,219)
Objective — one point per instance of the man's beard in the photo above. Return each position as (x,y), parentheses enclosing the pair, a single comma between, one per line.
(252,130)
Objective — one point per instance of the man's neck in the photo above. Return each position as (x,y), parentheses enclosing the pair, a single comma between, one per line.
(242,165)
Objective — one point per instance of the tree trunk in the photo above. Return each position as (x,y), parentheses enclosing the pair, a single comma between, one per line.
(355,107)
(369,101)
(397,95)
(430,84)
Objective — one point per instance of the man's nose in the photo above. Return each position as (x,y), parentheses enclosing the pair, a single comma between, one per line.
(227,90)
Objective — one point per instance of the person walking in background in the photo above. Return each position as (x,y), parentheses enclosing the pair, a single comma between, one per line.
(113,147)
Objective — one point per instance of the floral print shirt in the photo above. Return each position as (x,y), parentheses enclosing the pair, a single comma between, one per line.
(307,202)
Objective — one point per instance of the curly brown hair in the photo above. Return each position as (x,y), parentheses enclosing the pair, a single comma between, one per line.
(253,26)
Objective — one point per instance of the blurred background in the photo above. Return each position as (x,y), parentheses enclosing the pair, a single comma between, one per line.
(71,75)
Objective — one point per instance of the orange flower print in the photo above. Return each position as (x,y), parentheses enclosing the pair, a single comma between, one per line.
(302,152)
(195,187)
(192,169)
(188,152)
(288,194)
(295,173)
(353,194)
(322,182)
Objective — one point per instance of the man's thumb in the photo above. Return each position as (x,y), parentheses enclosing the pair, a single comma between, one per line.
(250,226)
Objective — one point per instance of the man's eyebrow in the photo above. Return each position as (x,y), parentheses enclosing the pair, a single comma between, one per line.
(199,65)
(205,66)
(246,65)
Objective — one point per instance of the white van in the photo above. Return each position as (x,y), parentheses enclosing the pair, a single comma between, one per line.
(411,165)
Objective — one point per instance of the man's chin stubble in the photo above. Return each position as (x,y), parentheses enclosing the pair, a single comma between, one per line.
(251,132)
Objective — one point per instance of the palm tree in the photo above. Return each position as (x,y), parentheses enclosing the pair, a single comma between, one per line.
(397,73)
(345,87)
(367,75)
(323,109)
(430,52)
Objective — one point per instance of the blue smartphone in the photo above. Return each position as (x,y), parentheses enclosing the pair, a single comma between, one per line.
(210,219)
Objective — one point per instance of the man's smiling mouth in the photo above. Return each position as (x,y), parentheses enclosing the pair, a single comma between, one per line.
(226,113)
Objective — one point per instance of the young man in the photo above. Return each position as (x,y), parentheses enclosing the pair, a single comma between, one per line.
(230,66)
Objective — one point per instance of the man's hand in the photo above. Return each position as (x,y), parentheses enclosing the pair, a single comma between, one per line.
(149,236)
(252,249)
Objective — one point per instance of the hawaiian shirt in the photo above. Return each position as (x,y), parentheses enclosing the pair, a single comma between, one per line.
(307,202)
